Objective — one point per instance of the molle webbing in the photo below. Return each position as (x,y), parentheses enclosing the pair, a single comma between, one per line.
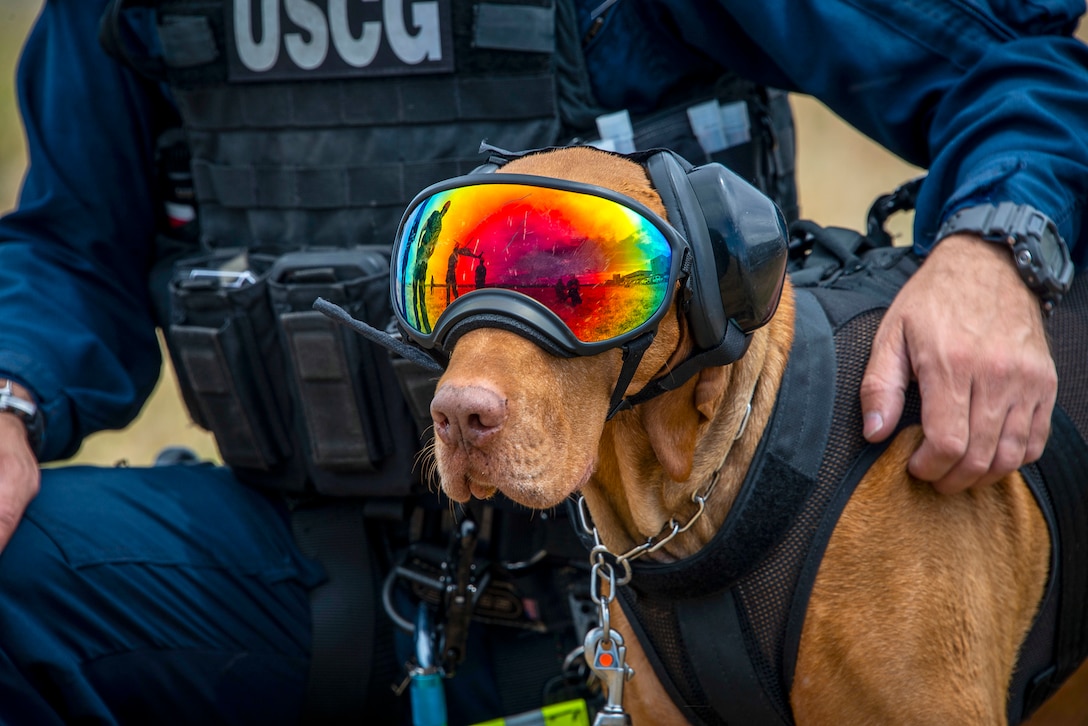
(766,159)
(290,161)
(299,162)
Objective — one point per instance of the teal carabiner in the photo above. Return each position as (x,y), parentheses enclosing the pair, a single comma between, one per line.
(428,696)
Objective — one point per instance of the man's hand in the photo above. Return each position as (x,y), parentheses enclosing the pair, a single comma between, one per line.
(971,333)
(20,476)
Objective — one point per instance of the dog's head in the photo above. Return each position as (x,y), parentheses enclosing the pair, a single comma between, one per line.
(514,417)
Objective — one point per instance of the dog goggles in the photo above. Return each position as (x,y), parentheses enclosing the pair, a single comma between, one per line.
(586,267)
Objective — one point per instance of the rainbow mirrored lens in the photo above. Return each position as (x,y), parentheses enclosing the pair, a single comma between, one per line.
(601,267)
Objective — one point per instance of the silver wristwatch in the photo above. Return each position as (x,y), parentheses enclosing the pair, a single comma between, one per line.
(25,409)
(1038,250)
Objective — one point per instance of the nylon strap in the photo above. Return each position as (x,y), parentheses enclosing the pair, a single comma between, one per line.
(632,356)
(1063,466)
(344,627)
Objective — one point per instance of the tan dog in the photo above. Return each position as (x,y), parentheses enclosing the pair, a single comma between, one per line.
(881,643)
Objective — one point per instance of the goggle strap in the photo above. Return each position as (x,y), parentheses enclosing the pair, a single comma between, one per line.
(733,346)
(632,356)
(380,337)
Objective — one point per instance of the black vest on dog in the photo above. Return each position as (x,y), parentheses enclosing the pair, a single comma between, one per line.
(722,627)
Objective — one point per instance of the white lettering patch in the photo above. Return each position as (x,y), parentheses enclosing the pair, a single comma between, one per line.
(283,39)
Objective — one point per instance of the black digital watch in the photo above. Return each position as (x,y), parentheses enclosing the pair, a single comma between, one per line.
(1039,252)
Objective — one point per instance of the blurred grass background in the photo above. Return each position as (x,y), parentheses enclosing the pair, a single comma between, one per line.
(839,174)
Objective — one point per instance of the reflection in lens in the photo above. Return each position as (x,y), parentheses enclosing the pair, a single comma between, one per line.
(600,267)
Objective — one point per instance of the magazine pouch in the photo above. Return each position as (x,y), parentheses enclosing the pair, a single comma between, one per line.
(352,426)
(222,339)
(417,385)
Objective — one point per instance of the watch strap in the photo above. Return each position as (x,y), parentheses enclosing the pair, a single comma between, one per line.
(26,409)
(1002,222)
(1039,253)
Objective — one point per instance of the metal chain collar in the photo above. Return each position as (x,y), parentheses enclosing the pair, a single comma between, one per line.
(597,555)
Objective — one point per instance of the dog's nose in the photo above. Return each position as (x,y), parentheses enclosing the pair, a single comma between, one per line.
(472,414)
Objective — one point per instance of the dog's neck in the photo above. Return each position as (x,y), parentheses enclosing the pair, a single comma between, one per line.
(631,498)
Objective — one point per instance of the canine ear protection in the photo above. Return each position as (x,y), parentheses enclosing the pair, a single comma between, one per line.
(739,242)
(738,238)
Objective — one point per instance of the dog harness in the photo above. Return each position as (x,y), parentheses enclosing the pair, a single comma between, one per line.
(722,627)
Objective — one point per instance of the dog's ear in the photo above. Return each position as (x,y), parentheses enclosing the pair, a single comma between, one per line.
(675,421)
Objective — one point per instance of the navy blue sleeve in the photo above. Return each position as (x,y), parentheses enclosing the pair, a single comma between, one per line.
(991,97)
(75,253)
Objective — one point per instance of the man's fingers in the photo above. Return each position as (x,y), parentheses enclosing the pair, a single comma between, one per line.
(973,336)
(884,385)
(1012,447)
(946,409)
(1040,430)
(991,453)
(1006,425)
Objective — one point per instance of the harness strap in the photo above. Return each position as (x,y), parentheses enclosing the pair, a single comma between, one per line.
(785,468)
(677,604)
(734,345)
(342,686)
(727,674)
(1062,466)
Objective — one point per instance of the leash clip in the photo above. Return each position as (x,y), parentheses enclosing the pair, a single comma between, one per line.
(607,658)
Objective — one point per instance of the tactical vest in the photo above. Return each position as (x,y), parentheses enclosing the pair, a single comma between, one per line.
(722,627)
(310,126)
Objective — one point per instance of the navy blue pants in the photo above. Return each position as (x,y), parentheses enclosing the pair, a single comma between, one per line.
(161,595)
(177,595)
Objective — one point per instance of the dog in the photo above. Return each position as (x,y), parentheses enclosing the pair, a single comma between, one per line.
(922,600)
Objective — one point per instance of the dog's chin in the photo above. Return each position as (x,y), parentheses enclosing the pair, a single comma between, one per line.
(533,491)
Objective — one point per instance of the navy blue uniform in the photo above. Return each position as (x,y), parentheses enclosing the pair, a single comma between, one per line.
(175,593)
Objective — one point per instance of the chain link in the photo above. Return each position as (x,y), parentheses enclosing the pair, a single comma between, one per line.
(597,555)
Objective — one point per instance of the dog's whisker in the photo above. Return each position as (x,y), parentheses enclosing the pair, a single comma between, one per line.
(427,462)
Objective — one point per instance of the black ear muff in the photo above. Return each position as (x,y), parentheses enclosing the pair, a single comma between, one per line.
(706,315)
(750,242)
(738,238)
